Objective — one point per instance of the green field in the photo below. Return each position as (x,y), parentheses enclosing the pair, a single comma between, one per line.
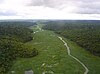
(53,57)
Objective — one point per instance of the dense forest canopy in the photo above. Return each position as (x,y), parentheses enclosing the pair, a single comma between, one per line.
(13,36)
(84,33)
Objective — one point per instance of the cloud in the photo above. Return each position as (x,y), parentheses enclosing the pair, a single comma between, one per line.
(77,6)
(7,13)
(1,1)
(88,7)
(50,9)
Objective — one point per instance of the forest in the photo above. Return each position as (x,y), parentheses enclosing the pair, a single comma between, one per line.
(13,36)
(85,33)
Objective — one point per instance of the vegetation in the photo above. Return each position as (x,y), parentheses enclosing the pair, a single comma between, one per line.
(84,33)
(16,30)
(12,43)
(53,57)
(15,50)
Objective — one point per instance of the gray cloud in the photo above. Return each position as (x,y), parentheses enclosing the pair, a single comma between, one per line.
(82,6)
(7,13)
(47,3)
(89,7)
(50,9)
(1,1)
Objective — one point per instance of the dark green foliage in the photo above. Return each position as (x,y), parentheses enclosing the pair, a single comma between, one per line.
(84,33)
(20,32)
(12,44)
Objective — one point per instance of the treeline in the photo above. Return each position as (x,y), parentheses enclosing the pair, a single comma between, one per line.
(12,43)
(84,33)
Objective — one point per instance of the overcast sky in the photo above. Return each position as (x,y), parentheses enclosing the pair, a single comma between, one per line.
(50,9)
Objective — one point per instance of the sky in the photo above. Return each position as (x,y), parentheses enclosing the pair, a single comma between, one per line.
(50,9)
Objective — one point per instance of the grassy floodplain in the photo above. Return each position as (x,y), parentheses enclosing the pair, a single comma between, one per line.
(53,57)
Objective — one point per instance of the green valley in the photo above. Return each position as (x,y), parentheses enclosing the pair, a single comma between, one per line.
(53,56)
